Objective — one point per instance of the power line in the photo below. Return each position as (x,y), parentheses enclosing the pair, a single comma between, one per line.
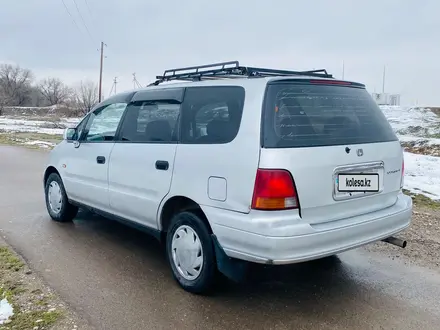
(82,19)
(88,8)
(90,15)
(73,20)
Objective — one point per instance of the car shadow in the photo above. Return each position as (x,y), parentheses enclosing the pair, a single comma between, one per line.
(259,277)
(310,290)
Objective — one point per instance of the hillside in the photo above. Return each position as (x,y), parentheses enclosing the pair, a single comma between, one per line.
(418,130)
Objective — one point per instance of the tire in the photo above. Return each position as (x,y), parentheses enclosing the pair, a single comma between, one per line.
(58,205)
(192,227)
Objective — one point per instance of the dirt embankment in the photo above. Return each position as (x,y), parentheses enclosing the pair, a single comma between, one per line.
(423,237)
(422,147)
(436,110)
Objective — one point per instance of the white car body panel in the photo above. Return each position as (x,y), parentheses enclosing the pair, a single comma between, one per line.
(85,179)
(269,244)
(313,170)
(136,187)
(220,178)
(196,163)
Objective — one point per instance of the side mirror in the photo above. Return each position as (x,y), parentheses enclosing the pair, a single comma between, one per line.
(69,133)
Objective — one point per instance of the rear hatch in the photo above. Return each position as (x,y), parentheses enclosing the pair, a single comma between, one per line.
(343,156)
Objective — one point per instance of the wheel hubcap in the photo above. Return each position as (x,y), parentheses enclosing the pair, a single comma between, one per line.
(187,252)
(54,197)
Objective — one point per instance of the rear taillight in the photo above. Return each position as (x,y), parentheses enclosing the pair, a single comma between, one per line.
(274,190)
(402,178)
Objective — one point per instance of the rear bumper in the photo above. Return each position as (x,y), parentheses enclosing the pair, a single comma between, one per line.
(311,242)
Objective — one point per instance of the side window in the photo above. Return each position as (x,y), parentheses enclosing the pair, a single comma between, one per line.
(103,123)
(212,115)
(80,128)
(150,122)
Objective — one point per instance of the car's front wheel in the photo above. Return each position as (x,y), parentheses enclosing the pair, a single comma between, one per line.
(57,203)
(190,253)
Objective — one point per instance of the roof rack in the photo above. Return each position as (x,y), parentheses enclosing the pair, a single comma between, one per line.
(230,70)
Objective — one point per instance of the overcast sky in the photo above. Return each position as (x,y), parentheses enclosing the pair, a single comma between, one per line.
(146,37)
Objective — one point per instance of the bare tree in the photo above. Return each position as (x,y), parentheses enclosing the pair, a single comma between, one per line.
(54,91)
(15,85)
(3,102)
(86,96)
(36,98)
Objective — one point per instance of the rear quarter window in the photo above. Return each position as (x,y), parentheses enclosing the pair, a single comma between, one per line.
(306,115)
(211,115)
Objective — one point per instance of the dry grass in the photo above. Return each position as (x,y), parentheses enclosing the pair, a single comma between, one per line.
(422,148)
(27,313)
(421,201)
(34,304)
(20,138)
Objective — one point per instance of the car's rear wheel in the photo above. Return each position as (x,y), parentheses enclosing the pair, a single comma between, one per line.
(57,203)
(190,253)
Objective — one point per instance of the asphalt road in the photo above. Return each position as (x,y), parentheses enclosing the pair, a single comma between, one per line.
(117,278)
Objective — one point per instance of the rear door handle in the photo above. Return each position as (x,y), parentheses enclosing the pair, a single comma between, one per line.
(100,160)
(162,165)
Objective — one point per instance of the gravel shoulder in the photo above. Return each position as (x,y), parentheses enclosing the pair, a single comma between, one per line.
(423,237)
(35,305)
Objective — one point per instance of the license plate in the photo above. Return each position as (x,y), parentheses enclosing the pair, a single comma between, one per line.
(358,182)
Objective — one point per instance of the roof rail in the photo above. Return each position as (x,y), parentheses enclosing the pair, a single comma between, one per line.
(231,69)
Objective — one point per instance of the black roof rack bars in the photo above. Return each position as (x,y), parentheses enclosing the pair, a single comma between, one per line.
(230,70)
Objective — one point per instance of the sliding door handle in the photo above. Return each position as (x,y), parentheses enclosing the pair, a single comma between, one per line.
(100,160)
(162,165)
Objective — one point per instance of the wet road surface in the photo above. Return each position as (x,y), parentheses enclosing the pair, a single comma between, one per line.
(117,278)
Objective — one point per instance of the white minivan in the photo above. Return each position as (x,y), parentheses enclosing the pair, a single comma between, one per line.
(234,165)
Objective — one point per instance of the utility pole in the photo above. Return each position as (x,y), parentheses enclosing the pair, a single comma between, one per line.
(383,80)
(100,71)
(115,82)
(135,82)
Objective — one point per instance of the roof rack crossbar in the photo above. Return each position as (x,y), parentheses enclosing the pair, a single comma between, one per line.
(230,70)
(197,69)
(276,72)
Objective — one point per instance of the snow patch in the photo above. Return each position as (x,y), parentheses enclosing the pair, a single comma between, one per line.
(37,126)
(412,120)
(6,310)
(414,125)
(422,175)
(43,144)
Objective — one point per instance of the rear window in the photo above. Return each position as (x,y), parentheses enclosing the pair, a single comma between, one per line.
(319,115)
